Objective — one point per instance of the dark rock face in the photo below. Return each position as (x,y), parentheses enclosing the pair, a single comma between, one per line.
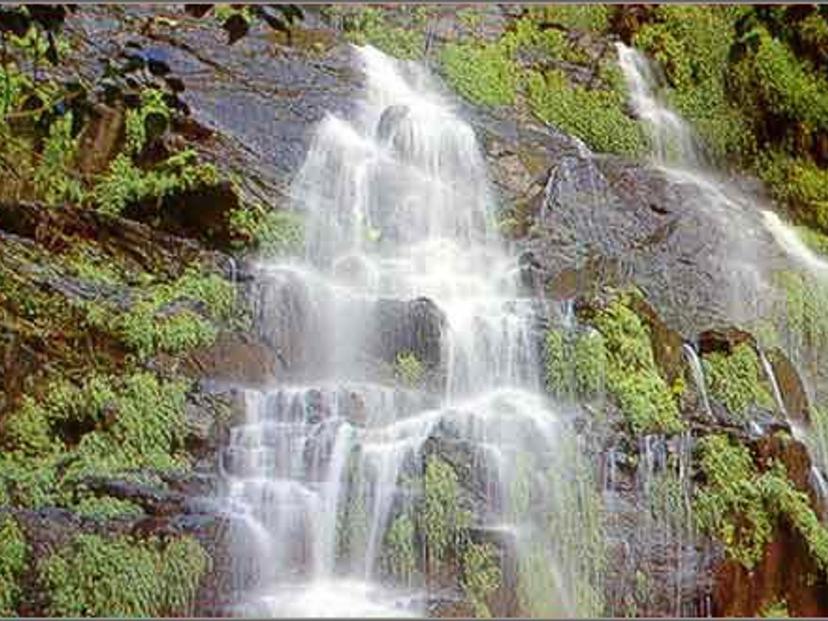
(605,220)
(414,326)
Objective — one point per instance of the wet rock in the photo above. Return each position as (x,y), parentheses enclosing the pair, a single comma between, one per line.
(201,213)
(55,228)
(155,501)
(653,229)
(790,386)
(101,139)
(235,357)
(785,573)
(723,340)
(414,326)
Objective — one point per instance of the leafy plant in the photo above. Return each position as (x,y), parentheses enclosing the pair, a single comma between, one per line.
(408,369)
(122,577)
(736,379)
(632,375)
(13,552)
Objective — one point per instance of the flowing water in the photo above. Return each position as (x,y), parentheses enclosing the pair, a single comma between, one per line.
(676,151)
(404,329)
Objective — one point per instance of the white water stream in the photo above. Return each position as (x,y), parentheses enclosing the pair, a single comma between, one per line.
(397,207)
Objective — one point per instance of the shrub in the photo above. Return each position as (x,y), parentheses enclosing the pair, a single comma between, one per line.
(408,369)
(736,379)
(122,577)
(13,551)
(632,375)
(594,116)
(483,74)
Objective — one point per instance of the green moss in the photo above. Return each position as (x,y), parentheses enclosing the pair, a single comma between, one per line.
(585,17)
(124,425)
(632,376)
(816,241)
(590,364)
(575,364)
(736,380)
(400,548)
(555,362)
(408,369)
(795,506)
(125,183)
(798,182)
(790,86)
(805,299)
(54,182)
(368,25)
(730,506)
(146,122)
(692,44)
(596,116)
(121,577)
(106,507)
(481,576)
(13,552)
(740,506)
(443,520)
(272,232)
(482,73)
(775,610)
(157,322)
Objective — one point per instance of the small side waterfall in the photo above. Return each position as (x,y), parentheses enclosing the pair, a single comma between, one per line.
(767,369)
(698,376)
(673,140)
(410,343)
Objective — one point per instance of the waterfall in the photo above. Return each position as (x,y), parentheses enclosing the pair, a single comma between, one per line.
(407,330)
(767,368)
(698,376)
(672,138)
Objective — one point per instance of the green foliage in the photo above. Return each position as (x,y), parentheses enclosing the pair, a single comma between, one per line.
(740,506)
(775,610)
(156,320)
(125,183)
(408,369)
(126,424)
(272,232)
(730,505)
(147,433)
(106,507)
(590,364)
(146,122)
(805,300)
(791,87)
(481,576)
(121,577)
(784,499)
(400,548)
(736,379)
(484,74)
(575,364)
(798,182)
(53,178)
(443,520)
(596,116)
(555,361)
(632,374)
(368,25)
(586,17)
(13,551)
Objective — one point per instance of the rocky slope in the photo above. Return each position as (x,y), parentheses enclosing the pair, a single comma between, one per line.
(124,334)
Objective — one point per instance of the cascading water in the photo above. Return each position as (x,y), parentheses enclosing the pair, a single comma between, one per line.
(405,328)
(675,150)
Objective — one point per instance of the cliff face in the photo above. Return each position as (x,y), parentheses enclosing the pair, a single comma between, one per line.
(132,312)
